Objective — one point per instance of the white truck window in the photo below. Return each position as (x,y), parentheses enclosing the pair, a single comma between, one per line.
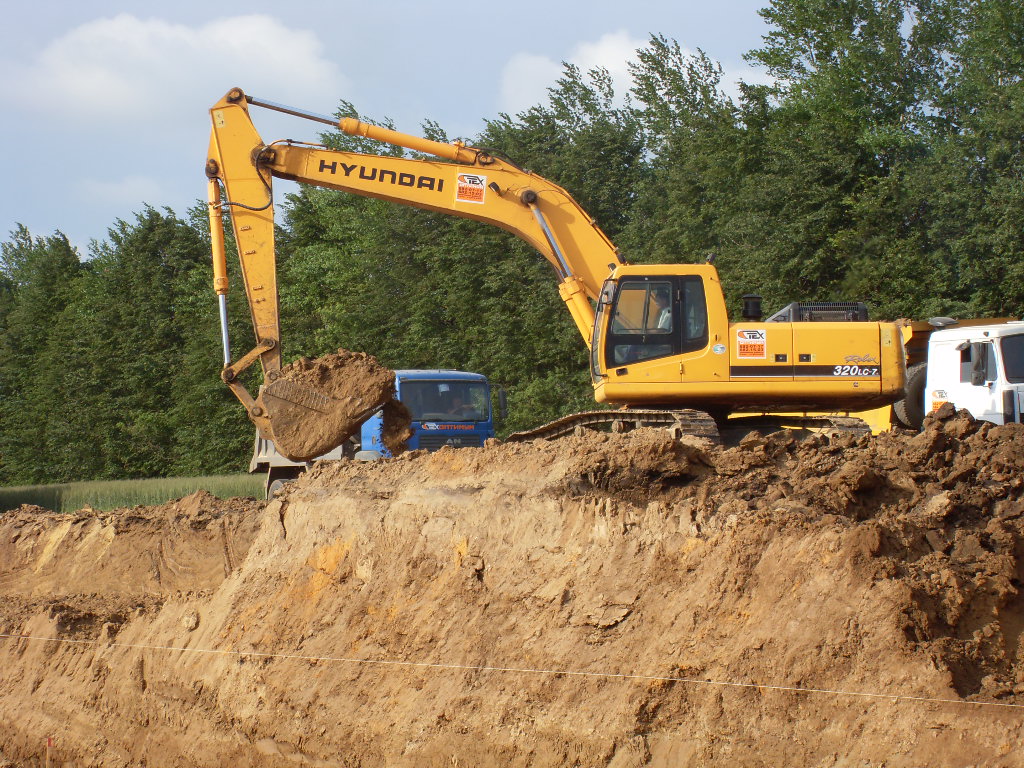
(1012,349)
(967,354)
(965,364)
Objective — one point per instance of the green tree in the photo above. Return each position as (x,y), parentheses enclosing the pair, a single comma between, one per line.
(692,133)
(211,431)
(131,356)
(979,157)
(38,279)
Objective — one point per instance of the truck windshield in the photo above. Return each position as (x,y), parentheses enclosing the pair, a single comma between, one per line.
(445,400)
(1012,348)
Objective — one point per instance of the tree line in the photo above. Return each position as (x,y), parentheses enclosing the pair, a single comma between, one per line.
(880,158)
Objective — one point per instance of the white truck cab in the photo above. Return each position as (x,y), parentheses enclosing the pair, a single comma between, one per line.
(979,368)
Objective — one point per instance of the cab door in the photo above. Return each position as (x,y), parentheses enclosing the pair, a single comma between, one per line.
(979,375)
(653,321)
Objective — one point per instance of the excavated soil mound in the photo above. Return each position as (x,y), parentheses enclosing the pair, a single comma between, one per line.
(602,600)
(397,426)
(316,405)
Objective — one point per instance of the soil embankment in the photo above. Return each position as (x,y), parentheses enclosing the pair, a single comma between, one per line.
(602,600)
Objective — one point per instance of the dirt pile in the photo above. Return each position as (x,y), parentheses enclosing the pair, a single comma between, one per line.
(602,600)
(315,405)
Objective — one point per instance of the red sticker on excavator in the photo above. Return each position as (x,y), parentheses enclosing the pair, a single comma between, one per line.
(751,344)
(471,188)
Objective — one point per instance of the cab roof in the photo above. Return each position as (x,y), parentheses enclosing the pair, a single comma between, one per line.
(438,374)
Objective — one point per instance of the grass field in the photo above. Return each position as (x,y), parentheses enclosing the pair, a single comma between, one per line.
(110,494)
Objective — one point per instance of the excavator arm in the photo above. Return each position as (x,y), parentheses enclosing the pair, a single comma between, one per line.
(463,181)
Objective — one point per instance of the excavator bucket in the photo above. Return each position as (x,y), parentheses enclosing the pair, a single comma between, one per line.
(315,405)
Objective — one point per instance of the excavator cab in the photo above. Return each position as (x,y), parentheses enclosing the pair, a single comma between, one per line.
(653,326)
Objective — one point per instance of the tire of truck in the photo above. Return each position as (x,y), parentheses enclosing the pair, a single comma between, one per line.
(278,478)
(909,411)
(275,486)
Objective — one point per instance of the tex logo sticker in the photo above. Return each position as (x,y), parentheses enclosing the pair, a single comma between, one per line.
(470,188)
(751,344)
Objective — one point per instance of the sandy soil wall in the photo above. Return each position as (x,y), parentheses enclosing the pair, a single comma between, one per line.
(605,600)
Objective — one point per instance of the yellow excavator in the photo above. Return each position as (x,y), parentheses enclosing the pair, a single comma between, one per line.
(661,343)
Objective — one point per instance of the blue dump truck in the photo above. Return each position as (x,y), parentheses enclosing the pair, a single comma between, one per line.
(448,408)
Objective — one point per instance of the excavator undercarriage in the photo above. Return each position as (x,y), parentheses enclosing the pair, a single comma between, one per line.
(694,423)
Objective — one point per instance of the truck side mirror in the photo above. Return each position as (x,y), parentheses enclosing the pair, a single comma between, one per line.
(502,403)
(979,369)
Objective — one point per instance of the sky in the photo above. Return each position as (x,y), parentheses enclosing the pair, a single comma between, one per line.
(105,103)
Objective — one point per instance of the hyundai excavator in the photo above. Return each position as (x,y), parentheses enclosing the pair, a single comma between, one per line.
(661,343)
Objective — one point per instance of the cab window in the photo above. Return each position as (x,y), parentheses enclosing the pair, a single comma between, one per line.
(1012,348)
(654,318)
(695,315)
(642,309)
(977,359)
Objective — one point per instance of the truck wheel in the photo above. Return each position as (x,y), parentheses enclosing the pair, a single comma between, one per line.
(275,486)
(909,411)
(278,478)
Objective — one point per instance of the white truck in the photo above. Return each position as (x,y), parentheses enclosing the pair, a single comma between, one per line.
(976,365)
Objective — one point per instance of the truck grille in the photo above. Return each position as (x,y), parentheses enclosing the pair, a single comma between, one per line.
(433,441)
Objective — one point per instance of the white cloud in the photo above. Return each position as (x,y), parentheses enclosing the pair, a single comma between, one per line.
(526,77)
(525,80)
(130,71)
(612,52)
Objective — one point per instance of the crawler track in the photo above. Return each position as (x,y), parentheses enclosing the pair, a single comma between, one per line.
(690,422)
(683,422)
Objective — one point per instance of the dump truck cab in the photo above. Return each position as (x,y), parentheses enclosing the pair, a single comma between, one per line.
(978,368)
(448,408)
